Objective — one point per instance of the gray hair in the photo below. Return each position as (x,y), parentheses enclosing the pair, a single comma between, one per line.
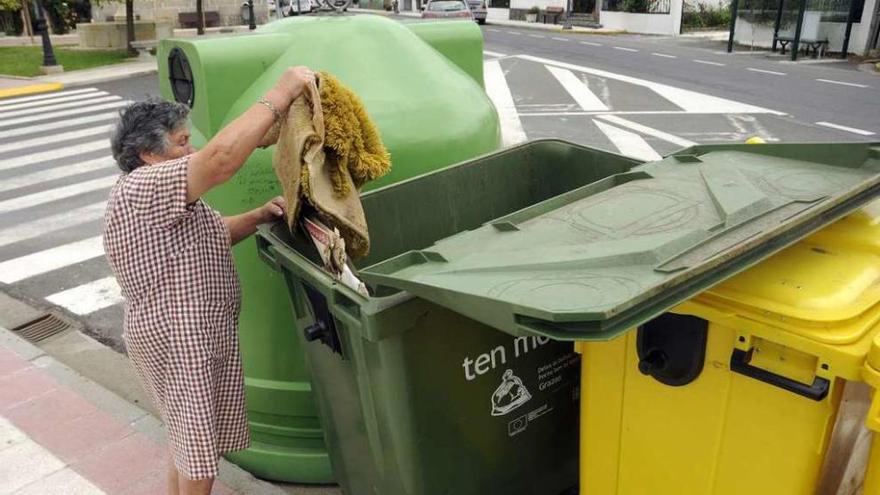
(144,126)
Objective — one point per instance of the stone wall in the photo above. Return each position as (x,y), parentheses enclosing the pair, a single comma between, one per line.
(168,10)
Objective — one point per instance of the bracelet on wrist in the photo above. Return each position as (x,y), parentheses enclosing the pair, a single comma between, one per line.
(268,104)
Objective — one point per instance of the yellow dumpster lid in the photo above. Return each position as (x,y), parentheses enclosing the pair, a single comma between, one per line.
(599,260)
(820,285)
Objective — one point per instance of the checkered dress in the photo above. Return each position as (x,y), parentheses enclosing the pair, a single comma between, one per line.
(182,300)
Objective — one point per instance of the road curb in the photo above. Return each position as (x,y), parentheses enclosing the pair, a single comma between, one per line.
(30,89)
(85,81)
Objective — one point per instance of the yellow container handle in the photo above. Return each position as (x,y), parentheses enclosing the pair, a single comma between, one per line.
(872,473)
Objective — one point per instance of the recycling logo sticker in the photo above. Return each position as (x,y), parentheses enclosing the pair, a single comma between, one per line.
(510,395)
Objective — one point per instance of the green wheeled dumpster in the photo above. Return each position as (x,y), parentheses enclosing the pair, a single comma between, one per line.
(416,398)
(421,84)
(457,375)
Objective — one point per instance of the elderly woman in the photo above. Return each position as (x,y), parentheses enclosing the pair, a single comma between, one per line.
(170,253)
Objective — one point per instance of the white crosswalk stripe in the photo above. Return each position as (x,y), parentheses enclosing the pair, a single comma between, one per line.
(61,124)
(54,101)
(60,113)
(53,223)
(579,91)
(628,143)
(35,178)
(71,104)
(47,96)
(55,154)
(90,297)
(63,192)
(499,92)
(101,130)
(55,172)
(41,262)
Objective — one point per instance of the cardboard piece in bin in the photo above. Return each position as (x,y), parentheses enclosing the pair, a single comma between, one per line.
(604,258)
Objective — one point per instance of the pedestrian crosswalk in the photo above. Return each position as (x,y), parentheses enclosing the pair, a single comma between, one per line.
(538,97)
(55,174)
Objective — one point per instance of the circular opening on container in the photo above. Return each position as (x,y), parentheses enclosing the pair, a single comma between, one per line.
(180,76)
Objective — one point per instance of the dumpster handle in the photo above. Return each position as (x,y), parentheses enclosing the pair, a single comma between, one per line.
(344,308)
(266,252)
(739,363)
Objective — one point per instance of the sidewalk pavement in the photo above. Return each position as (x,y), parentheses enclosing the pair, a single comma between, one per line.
(21,86)
(497,17)
(61,433)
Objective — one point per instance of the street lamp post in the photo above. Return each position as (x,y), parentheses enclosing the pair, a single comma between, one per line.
(50,65)
(566,24)
(252,23)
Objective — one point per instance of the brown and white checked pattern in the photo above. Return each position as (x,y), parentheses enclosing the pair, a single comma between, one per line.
(182,300)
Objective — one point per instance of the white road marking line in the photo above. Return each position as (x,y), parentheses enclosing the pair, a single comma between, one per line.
(625,49)
(690,101)
(22,161)
(707,62)
(590,43)
(515,33)
(45,261)
(55,138)
(853,130)
(60,172)
(650,131)
(561,39)
(47,96)
(537,36)
(628,143)
(38,198)
(499,92)
(620,112)
(53,101)
(71,104)
(854,85)
(494,30)
(47,225)
(493,54)
(664,55)
(90,297)
(61,113)
(763,71)
(578,90)
(33,129)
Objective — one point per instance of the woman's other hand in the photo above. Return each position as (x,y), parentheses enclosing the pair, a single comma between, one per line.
(273,210)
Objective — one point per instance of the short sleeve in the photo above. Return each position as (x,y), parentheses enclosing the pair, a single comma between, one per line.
(157,193)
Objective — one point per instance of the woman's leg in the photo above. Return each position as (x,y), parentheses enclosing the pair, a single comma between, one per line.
(172,478)
(194,487)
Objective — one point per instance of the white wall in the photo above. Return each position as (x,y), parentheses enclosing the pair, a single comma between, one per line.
(692,4)
(541,4)
(667,24)
(834,31)
(758,35)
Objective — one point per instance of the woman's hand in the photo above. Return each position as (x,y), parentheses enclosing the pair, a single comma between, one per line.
(272,210)
(242,226)
(290,85)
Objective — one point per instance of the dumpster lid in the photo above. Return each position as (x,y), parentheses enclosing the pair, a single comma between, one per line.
(603,258)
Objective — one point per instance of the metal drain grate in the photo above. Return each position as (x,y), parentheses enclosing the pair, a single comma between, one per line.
(42,328)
